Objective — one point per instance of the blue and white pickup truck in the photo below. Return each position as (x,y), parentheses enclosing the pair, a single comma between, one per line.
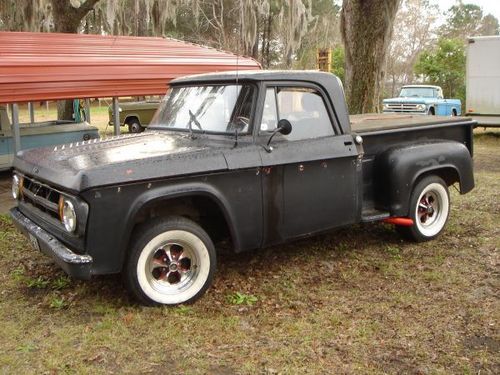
(424,100)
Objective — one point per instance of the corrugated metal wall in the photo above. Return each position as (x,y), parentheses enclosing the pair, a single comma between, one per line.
(43,66)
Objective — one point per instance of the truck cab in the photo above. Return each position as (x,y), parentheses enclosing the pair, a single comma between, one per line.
(423,100)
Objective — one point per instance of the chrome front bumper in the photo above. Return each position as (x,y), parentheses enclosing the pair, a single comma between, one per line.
(75,265)
(421,113)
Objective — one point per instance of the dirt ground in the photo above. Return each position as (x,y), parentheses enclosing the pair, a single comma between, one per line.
(6,201)
(359,300)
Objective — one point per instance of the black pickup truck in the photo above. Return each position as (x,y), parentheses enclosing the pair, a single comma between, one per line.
(256,158)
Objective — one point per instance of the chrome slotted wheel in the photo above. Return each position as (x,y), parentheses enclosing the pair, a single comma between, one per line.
(172,267)
(171,263)
(429,209)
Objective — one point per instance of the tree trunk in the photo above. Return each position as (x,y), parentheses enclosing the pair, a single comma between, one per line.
(266,35)
(65,109)
(142,25)
(366,27)
(67,19)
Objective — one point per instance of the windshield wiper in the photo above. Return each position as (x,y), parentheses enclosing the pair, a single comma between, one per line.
(192,118)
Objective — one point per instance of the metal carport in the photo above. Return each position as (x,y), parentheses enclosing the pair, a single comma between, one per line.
(52,66)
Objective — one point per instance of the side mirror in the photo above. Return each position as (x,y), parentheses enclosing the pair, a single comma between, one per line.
(284,127)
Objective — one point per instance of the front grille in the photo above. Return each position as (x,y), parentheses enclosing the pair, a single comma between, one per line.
(40,196)
(401,107)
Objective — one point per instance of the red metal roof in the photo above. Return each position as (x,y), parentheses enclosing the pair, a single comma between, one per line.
(43,66)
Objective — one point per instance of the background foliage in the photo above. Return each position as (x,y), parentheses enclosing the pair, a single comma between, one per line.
(444,65)
(427,46)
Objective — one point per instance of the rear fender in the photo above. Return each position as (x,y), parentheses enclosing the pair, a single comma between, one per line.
(130,116)
(399,168)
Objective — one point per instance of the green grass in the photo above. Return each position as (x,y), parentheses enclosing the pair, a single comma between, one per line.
(238,298)
(355,300)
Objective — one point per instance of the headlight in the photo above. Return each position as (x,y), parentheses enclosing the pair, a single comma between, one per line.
(119,109)
(386,106)
(68,214)
(421,107)
(16,186)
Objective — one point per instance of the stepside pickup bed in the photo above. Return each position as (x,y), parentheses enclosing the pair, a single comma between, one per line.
(256,157)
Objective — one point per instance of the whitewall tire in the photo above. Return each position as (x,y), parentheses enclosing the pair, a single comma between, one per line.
(429,209)
(171,261)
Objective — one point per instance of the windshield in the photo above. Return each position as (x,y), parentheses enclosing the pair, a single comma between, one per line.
(210,109)
(421,92)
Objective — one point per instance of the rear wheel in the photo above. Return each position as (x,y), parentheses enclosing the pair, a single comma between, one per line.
(171,261)
(453,112)
(134,126)
(429,209)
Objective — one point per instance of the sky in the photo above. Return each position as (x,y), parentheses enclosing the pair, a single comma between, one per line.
(489,6)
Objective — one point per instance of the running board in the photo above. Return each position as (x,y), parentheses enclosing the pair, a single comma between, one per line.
(374,215)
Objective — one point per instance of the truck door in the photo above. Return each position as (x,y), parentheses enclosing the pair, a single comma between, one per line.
(442,107)
(309,178)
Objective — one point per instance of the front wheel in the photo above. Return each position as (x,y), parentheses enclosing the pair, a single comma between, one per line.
(429,209)
(171,261)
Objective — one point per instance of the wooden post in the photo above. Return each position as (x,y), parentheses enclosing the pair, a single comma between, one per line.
(116,116)
(31,110)
(324,59)
(15,128)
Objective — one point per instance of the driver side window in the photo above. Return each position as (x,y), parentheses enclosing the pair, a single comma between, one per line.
(303,107)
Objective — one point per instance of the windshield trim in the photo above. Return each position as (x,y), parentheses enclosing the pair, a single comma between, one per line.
(211,132)
(202,132)
(418,88)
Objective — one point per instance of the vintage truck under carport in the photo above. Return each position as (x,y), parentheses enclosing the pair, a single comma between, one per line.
(50,66)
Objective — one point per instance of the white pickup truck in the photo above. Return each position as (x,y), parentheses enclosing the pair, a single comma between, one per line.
(422,100)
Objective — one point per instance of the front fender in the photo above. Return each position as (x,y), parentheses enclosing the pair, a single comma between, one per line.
(163,193)
(399,168)
(114,212)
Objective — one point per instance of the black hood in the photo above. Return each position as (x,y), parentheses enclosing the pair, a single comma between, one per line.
(150,155)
